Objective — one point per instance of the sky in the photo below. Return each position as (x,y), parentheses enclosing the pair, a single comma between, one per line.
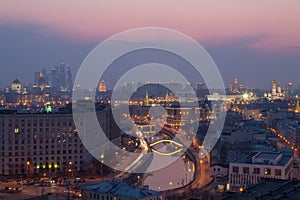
(256,40)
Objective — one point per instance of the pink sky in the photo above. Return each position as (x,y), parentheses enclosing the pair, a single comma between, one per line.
(274,24)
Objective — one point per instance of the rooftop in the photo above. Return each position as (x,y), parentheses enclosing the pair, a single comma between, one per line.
(268,155)
(120,189)
(16,81)
(277,158)
(268,189)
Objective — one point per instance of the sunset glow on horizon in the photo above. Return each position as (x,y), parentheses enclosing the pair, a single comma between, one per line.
(270,25)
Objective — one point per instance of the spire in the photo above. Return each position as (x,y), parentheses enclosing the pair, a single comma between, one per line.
(167,97)
(41,75)
(146,99)
(279,89)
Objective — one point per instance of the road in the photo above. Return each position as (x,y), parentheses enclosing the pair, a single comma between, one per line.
(59,191)
(282,143)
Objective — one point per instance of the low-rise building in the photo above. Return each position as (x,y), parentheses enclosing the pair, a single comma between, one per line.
(118,190)
(249,169)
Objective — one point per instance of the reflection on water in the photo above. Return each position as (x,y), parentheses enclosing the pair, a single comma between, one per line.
(178,174)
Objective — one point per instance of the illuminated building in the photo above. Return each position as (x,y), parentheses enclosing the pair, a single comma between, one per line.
(297,108)
(37,143)
(146,102)
(241,87)
(42,84)
(274,91)
(251,114)
(279,89)
(230,88)
(16,86)
(250,168)
(60,77)
(180,116)
(236,86)
(102,86)
(167,97)
(277,93)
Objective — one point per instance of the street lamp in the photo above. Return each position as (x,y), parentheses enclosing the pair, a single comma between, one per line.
(27,165)
(138,177)
(70,169)
(69,182)
(241,189)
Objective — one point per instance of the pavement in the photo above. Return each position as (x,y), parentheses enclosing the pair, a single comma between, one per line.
(58,191)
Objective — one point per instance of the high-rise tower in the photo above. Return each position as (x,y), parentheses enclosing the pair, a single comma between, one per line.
(230,88)
(236,85)
(146,99)
(69,78)
(279,89)
(274,88)
(62,76)
(102,86)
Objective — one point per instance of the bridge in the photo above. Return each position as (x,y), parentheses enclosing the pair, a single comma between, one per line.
(200,177)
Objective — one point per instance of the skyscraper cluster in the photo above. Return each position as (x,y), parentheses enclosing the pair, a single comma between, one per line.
(59,77)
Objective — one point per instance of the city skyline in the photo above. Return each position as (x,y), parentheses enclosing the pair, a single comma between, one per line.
(239,41)
(230,86)
(131,99)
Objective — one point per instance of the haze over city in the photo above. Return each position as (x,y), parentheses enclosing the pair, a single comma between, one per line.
(149,100)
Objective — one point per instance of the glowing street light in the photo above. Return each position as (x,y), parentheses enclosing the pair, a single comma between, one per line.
(241,190)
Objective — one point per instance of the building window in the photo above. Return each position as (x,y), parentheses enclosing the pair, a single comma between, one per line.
(235,169)
(245,170)
(267,171)
(256,171)
(277,172)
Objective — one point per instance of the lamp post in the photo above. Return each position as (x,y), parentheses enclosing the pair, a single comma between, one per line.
(70,174)
(101,163)
(27,165)
(139,177)
(171,188)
